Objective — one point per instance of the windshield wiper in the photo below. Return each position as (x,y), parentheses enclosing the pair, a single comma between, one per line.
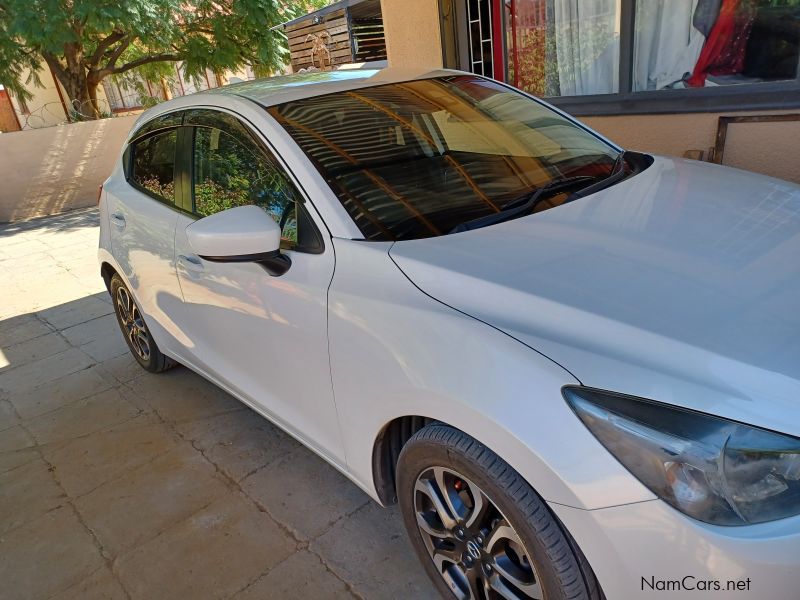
(528,202)
(618,173)
(524,204)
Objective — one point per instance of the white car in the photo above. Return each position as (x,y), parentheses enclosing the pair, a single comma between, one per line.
(577,369)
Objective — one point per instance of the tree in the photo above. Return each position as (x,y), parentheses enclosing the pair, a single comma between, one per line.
(85,41)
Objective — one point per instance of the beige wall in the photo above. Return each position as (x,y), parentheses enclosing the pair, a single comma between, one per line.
(45,108)
(769,148)
(50,170)
(412,33)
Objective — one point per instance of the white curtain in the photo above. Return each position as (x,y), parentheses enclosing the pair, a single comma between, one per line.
(587,46)
(666,44)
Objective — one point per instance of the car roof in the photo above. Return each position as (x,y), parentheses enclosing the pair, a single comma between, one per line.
(285,88)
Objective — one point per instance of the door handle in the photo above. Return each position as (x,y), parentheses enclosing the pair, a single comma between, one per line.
(118,220)
(190,263)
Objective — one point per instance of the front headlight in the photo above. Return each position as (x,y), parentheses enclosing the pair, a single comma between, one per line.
(712,469)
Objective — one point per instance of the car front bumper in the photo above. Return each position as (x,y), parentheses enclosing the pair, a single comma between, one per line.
(648,549)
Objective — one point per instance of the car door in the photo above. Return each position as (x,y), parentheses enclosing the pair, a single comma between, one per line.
(264,337)
(142,215)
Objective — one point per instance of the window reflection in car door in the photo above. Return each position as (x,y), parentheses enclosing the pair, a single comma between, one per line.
(229,172)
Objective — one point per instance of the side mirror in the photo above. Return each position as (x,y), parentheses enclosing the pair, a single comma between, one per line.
(241,234)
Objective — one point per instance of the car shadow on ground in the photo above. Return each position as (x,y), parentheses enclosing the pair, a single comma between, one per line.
(130,484)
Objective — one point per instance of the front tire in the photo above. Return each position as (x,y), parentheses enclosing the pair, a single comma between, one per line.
(131,322)
(479,528)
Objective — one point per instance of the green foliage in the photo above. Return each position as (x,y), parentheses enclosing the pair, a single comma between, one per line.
(84,41)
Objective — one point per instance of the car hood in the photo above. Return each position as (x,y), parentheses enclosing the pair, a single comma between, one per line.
(687,269)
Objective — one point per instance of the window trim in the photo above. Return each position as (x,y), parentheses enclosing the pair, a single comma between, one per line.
(769,95)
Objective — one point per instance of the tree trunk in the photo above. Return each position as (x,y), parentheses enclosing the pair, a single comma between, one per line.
(81,90)
(91,87)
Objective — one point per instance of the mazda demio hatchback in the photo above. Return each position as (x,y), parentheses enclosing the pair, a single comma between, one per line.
(575,367)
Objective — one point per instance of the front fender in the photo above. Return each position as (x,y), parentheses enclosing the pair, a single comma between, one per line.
(397,352)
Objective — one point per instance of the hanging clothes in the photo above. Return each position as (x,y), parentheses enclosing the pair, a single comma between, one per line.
(587,46)
(666,42)
(724,50)
(706,15)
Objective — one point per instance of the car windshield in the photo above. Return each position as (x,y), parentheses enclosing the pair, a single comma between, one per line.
(418,159)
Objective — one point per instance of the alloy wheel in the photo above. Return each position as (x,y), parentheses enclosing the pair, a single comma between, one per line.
(474,547)
(132,324)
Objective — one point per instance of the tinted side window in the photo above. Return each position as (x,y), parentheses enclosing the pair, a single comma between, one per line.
(162,122)
(153,164)
(232,171)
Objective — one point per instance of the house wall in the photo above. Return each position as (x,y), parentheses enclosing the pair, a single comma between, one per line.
(412,33)
(413,40)
(768,148)
(49,170)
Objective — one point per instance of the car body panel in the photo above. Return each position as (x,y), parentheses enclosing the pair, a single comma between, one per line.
(397,352)
(634,546)
(653,287)
(142,242)
(265,336)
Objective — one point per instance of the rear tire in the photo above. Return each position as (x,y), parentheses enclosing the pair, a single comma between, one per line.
(508,538)
(131,322)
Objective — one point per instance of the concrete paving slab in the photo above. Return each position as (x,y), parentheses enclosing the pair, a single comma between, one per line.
(299,577)
(130,510)
(121,369)
(181,395)
(86,463)
(62,392)
(22,328)
(82,417)
(222,547)
(371,551)
(34,374)
(74,313)
(35,349)
(8,416)
(12,459)
(99,338)
(304,492)
(100,585)
(16,438)
(239,442)
(46,555)
(27,493)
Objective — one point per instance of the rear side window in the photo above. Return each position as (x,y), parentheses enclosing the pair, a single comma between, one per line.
(153,164)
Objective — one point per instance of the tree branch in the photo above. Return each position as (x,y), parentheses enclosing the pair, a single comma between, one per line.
(104,45)
(112,60)
(146,60)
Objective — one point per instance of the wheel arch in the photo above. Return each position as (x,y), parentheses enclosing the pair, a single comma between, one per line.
(107,271)
(386,450)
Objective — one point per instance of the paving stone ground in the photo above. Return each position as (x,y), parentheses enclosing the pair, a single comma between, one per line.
(115,483)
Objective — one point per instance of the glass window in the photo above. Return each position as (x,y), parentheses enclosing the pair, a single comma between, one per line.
(563,47)
(704,43)
(232,171)
(153,164)
(161,122)
(417,159)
